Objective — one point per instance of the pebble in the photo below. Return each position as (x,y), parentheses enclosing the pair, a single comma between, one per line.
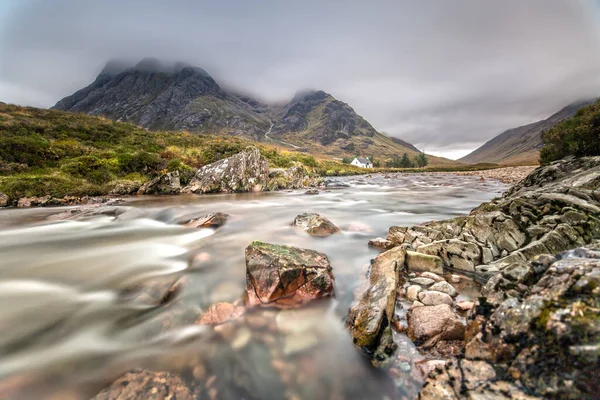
(455,278)
(444,287)
(412,292)
(415,304)
(242,338)
(432,298)
(404,366)
(422,281)
(433,276)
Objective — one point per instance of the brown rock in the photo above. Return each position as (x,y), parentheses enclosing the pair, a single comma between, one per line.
(211,220)
(146,385)
(315,225)
(381,243)
(433,298)
(219,313)
(285,276)
(434,323)
(369,319)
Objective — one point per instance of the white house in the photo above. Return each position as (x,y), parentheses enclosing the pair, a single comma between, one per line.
(362,162)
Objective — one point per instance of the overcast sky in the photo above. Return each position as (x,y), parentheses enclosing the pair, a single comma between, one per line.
(444,75)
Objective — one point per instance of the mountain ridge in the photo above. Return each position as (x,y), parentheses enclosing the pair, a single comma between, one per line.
(521,145)
(177,96)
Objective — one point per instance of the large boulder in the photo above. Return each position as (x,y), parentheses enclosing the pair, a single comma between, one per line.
(246,171)
(369,319)
(315,224)
(285,276)
(165,184)
(295,177)
(430,324)
(210,220)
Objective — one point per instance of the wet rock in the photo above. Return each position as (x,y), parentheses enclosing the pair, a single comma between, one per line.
(465,305)
(381,243)
(246,171)
(165,184)
(219,313)
(412,292)
(369,319)
(4,200)
(427,366)
(315,225)
(33,201)
(431,275)
(312,191)
(211,220)
(419,262)
(416,304)
(145,384)
(334,183)
(285,276)
(432,298)
(430,324)
(421,281)
(444,287)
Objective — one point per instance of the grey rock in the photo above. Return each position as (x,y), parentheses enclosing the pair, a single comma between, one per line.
(425,282)
(444,287)
(247,171)
(433,298)
(165,184)
(315,224)
(4,200)
(412,292)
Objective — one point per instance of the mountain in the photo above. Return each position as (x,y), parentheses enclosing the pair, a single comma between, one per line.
(160,96)
(521,145)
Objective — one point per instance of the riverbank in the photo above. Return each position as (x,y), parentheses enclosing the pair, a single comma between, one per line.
(533,332)
(508,175)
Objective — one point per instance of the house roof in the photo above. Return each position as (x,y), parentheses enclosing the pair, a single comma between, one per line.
(363,160)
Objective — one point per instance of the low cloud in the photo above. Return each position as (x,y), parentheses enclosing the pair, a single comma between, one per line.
(445,76)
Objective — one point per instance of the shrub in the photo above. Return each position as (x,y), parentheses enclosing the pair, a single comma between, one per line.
(140,162)
(578,136)
(93,169)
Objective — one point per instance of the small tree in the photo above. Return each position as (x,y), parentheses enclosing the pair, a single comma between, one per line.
(421,160)
(347,160)
(405,161)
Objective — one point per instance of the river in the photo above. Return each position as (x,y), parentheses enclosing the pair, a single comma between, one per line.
(76,315)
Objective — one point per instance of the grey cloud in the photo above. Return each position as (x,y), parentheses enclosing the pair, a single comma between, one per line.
(443,75)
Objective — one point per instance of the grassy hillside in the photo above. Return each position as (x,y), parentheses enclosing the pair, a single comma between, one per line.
(61,153)
(577,136)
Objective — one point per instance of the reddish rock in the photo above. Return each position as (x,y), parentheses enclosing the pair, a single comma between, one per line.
(431,324)
(285,276)
(219,313)
(146,385)
(211,220)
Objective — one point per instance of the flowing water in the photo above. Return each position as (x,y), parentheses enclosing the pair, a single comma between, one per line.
(83,299)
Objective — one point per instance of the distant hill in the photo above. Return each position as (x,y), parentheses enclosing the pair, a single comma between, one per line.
(520,146)
(159,96)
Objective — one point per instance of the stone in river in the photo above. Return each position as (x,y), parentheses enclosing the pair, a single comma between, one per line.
(433,298)
(315,225)
(418,262)
(219,313)
(210,220)
(433,276)
(381,243)
(285,276)
(434,323)
(369,319)
(146,384)
(312,191)
(444,287)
